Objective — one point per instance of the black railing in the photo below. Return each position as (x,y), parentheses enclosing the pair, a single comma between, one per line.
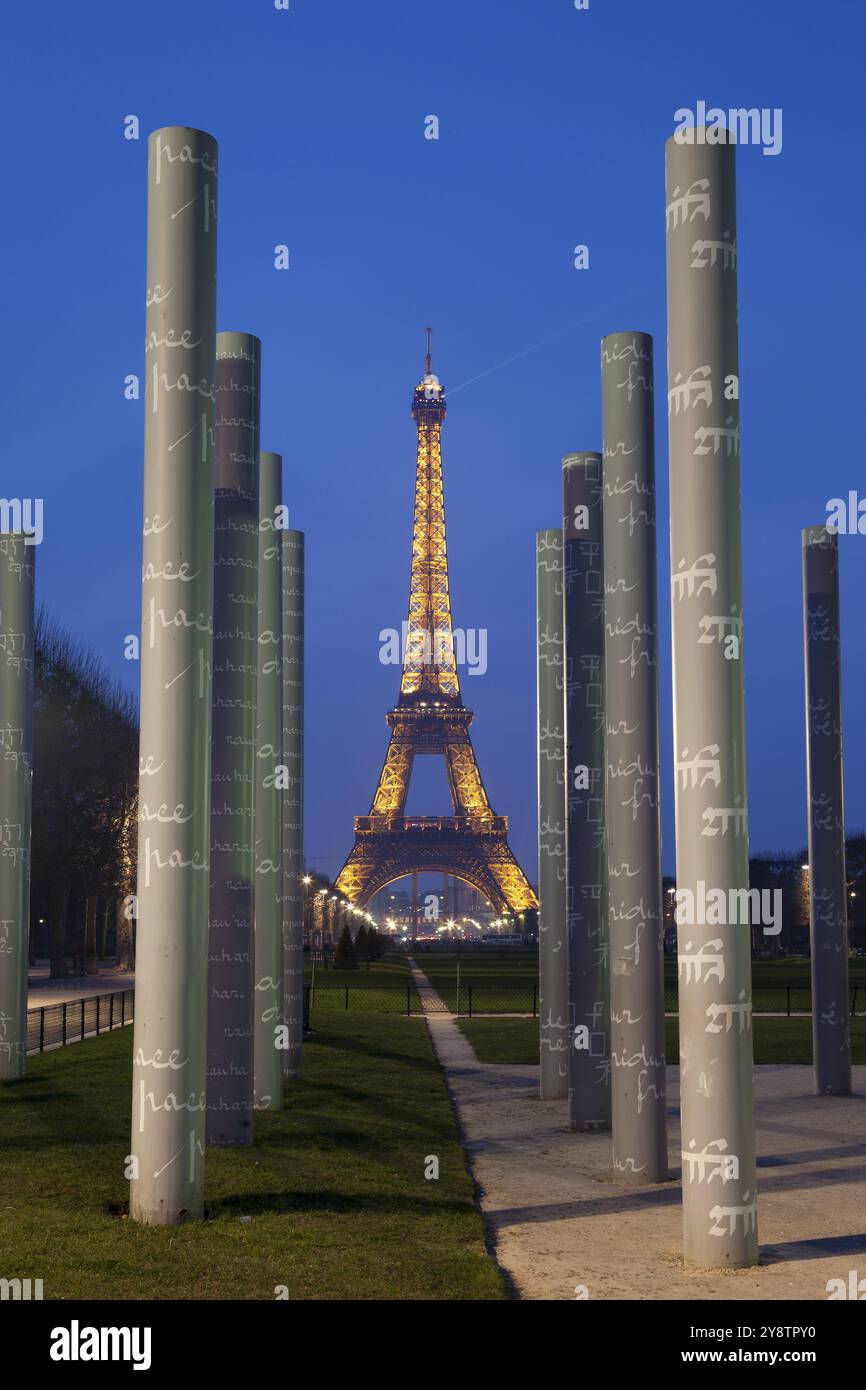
(478,998)
(412,999)
(56,1025)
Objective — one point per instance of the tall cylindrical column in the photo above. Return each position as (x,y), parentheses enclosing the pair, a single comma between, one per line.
(828,905)
(634,870)
(293,797)
(715,1006)
(231,963)
(17,643)
(586,857)
(552,946)
(168,1101)
(269,774)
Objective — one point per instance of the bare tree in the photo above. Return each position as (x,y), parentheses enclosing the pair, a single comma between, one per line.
(84,788)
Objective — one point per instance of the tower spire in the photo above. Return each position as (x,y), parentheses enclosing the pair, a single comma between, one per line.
(430,718)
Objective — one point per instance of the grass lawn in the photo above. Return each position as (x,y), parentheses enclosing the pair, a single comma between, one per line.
(379,989)
(776,1039)
(488,965)
(334,1187)
(502,980)
(392,970)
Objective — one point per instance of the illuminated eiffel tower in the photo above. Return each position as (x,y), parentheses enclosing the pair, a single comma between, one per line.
(430,717)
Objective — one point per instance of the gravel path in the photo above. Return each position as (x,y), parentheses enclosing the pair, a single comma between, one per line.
(563,1230)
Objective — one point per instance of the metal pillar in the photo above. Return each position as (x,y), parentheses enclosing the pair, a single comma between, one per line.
(17,641)
(634,870)
(293,798)
(168,1101)
(715,1006)
(269,761)
(552,946)
(828,904)
(231,965)
(586,856)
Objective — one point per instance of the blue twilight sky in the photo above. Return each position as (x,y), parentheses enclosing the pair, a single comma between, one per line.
(552,130)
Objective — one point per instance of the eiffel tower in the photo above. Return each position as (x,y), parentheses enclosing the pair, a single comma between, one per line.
(430,717)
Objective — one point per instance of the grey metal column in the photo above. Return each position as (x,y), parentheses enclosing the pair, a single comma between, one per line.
(552,944)
(17,643)
(715,1006)
(268,798)
(293,797)
(168,1100)
(828,905)
(586,857)
(634,870)
(231,963)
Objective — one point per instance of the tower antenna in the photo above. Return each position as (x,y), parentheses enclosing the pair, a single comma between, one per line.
(429,359)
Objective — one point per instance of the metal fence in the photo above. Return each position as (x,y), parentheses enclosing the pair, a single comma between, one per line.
(415,999)
(477,999)
(378,999)
(55,1025)
(777,999)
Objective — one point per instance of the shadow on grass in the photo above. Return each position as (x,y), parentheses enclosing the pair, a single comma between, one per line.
(339,1042)
(297,1203)
(323,1136)
(44,1097)
(330,1114)
(23,1083)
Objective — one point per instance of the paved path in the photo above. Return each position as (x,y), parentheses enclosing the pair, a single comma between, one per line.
(43,991)
(561,1227)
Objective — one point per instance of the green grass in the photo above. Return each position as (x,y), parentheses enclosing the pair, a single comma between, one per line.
(515,1040)
(392,970)
(379,989)
(502,980)
(334,1185)
(487,966)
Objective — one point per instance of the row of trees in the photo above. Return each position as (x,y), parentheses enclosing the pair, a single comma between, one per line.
(789,874)
(367,946)
(85,805)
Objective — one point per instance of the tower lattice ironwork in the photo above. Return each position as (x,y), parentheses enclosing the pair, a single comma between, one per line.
(429,718)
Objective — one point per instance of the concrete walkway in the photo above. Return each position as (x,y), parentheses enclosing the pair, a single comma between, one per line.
(43,991)
(561,1229)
